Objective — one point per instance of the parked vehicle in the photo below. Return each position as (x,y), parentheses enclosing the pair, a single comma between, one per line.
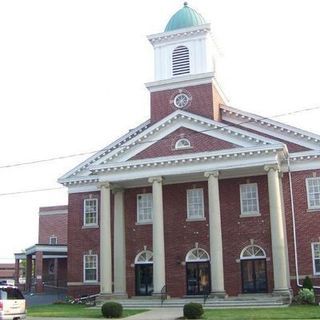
(12,303)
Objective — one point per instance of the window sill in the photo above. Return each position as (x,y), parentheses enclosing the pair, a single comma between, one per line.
(94,226)
(143,223)
(250,215)
(315,210)
(195,219)
(92,283)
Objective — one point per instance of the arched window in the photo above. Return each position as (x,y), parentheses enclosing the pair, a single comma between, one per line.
(180,61)
(252,252)
(197,255)
(144,257)
(182,144)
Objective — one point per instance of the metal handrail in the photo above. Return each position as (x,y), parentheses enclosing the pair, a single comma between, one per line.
(206,294)
(163,295)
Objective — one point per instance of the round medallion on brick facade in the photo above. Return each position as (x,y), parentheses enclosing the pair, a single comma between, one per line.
(181,99)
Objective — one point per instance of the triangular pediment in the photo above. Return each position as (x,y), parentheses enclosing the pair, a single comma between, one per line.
(205,135)
(194,142)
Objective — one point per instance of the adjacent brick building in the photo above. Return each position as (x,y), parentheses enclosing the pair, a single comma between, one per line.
(203,197)
(46,262)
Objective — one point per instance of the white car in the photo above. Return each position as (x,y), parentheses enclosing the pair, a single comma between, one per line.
(12,303)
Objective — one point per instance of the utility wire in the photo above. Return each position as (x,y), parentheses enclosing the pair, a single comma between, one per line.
(156,140)
(85,153)
(47,160)
(29,191)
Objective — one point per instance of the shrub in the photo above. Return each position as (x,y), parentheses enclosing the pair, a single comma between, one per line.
(306,296)
(112,310)
(192,310)
(307,283)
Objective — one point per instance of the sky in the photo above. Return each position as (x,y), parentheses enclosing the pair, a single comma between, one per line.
(72,76)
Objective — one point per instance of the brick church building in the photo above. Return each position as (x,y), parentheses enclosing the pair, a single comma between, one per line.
(200,197)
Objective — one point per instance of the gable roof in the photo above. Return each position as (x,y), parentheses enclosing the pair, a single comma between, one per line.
(270,127)
(139,139)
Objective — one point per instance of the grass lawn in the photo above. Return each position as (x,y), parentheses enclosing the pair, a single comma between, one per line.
(71,311)
(293,312)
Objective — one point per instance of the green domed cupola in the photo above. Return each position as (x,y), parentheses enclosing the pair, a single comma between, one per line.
(185,18)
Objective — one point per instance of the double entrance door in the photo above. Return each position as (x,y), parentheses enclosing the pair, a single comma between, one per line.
(144,279)
(254,276)
(198,278)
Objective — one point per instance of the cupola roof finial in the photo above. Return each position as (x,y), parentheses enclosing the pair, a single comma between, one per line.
(184,18)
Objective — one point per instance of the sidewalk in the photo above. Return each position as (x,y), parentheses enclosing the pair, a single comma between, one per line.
(158,314)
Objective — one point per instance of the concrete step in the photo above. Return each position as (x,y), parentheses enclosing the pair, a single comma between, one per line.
(233,302)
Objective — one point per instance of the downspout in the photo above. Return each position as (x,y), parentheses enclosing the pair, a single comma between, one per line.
(299,285)
(293,225)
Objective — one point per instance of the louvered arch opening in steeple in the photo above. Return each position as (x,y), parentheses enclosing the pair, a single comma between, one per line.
(180,61)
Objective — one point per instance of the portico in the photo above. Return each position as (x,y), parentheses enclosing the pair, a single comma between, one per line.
(118,184)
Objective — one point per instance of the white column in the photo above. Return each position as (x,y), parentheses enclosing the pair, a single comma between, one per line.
(105,241)
(278,239)
(216,254)
(159,275)
(119,244)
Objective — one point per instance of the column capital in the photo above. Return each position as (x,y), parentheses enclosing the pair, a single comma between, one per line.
(274,167)
(215,173)
(155,179)
(104,184)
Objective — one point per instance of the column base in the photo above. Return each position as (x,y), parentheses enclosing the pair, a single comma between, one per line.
(120,295)
(285,294)
(106,296)
(218,294)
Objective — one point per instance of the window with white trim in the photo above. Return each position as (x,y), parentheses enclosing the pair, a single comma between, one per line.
(144,208)
(180,61)
(195,205)
(316,257)
(90,268)
(53,240)
(249,199)
(183,144)
(313,192)
(90,212)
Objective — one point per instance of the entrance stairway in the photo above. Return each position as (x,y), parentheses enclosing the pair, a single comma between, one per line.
(242,301)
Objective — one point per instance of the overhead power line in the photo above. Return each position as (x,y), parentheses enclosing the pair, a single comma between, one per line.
(91,152)
(156,140)
(29,191)
(47,160)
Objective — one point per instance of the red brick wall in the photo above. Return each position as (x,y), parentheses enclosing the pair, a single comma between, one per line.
(53,224)
(80,241)
(307,224)
(181,235)
(237,231)
(200,142)
(202,102)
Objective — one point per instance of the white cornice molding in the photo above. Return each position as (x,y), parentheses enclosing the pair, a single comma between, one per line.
(85,164)
(180,81)
(184,119)
(157,131)
(46,248)
(182,164)
(271,127)
(179,34)
(53,212)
